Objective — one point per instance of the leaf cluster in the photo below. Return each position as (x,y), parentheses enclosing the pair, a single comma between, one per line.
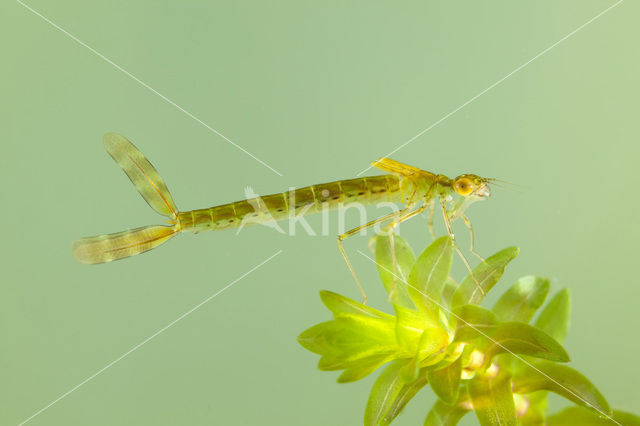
(499,363)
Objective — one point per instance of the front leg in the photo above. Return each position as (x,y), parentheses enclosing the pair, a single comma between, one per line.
(447,222)
(432,211)
(467,222)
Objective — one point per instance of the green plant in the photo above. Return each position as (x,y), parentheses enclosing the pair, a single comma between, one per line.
(493,362)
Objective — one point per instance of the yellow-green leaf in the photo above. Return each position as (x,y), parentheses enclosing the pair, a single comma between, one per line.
(411,327)
(472,321)
(442,414)
(484,276)
(363,367)
(522,300)
(521,338)
(531,408)
(554,318)
(445,382)
(348,339)
(429,274)
(449,289)
(560,379)
(384,393)
(405,395)
(492,399)
(395,279)
(339,304)
(586,417)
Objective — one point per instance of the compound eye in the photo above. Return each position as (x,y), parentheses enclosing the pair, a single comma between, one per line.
(463,186)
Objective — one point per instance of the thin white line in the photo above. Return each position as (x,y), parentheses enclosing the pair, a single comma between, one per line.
(64,395)
(101,56)
(498,82)
(497,343)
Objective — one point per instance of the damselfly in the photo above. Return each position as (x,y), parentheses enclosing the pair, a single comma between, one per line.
(418,190)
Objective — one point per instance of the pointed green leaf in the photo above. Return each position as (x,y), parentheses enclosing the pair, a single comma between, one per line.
(442,414)
(521,338)
(486,275)
(445,382)
(331,362)
(363,367)
(560,379)
(395,277)
(390,395)
(473,321)
(429,274)
(384,393)
(348,339)
(339,304)
(554,318)
(522,300)
(313,340)
(586,417)
(405,395)
(492,399)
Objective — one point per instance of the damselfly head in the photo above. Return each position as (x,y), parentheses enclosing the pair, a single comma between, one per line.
(471,186)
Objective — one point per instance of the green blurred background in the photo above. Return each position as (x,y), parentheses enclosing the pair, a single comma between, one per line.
(316,90)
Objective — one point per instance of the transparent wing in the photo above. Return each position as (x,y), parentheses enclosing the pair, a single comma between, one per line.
(142,174)
(105,248)
(395,167)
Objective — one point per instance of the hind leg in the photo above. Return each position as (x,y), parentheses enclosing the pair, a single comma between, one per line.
(394,261)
